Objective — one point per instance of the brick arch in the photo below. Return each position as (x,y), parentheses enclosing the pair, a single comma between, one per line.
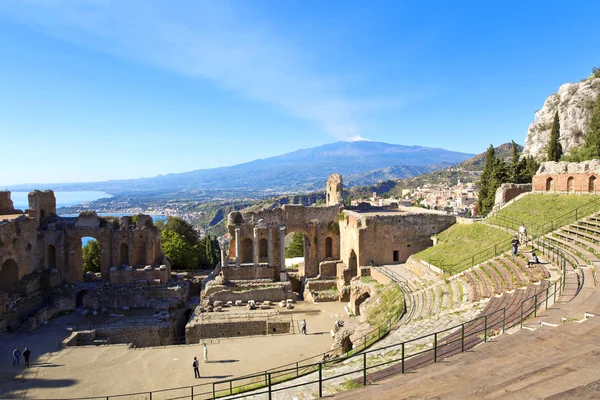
(592,184)
(549,184)
(570,184)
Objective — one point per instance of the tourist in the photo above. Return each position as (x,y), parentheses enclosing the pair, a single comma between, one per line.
(515,246)
(26,355)
(205,353)
(303,327)
(16,356)
(196,370)
(534,259)
(523,233)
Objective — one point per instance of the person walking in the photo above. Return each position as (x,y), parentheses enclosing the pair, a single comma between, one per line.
(303,327)
(205,353)
(16,356)
(26,355)
(523,233)
(515,246)
(196,370)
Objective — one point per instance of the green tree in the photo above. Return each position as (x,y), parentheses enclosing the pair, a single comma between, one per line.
(91,256)
(209,251)
(494,174)
(515,164)
(180,253)
(296,246)
(183,229)
(554,147)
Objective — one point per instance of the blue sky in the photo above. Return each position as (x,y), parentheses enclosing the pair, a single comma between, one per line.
(97,89)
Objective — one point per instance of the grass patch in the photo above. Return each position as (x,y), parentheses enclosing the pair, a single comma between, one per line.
(391,302)
(460,242)
(367,279)
(535,209)
(350,384)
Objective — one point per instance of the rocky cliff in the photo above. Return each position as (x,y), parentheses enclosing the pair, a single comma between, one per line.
(574,102)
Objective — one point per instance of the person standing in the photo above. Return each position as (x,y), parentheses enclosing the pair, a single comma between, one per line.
(515,246)
(16,356)
(523,233)
(196,370)
(303,327)
(26,355)
(205,353)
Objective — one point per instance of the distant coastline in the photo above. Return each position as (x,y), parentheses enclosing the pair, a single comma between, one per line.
(63,199)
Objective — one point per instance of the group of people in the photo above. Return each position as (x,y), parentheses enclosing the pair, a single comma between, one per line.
(17,356)
(196,363)
(515,245)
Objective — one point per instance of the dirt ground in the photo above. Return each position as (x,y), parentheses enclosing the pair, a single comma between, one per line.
(77,372)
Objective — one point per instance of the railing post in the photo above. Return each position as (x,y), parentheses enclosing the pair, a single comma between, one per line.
(503,319)
(150,395)
(192,390)
(547,295)
(266,379)
(364,369)
(320,381)
(462,338)
(214,392)
(231,387)
(485,328)
(521,315)
(435,347)
(270,395)
(402,357)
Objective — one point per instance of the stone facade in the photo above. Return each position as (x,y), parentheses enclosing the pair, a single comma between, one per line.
(508,191)
(565,177)
(335,189)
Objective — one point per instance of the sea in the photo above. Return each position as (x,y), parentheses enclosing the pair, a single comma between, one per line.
(66,199)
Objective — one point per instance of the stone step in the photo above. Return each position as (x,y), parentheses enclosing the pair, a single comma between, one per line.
(580,240)
(496,280)
(520,278)
(486,288)
(474,286)
(581,255)
(507,279)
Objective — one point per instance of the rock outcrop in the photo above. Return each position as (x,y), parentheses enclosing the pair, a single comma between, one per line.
(574,103)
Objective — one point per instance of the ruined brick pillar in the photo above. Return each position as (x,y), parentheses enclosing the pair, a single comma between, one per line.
(255,252)
(282,274)
(270,246)
(237,247)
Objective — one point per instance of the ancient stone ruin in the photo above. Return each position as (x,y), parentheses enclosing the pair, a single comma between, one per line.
(566,177)
(41,271)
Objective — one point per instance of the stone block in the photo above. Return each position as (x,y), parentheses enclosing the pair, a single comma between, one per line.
(239,303)
(162,268)
(229,303)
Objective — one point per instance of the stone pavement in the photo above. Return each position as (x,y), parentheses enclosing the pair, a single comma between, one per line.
(100,370)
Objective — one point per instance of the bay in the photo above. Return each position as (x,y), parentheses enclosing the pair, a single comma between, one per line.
(63,199)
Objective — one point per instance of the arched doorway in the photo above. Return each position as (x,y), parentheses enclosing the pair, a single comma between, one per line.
(396,256)
(592,184)
(9,276)
(296,249)
(570,184)
(247,251)
(124,254)
(51,257)
(263,250)
(360,299)
(549,184)
(139,252)
(79,298)
(91,254)
(353,263)
(328,247)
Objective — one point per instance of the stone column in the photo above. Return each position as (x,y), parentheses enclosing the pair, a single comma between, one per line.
(270,246)
(282,274)
(255,253)
(237,247)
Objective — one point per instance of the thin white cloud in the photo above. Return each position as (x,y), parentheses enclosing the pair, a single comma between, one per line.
(229,45)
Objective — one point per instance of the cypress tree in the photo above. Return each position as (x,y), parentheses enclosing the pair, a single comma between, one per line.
(554,147)
(515,164)
(485,184)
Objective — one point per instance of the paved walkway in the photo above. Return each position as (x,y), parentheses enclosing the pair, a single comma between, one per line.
(114,369)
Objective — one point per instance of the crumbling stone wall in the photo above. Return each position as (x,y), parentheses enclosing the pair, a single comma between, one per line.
(508,191)
(246,272)
(141,276)
(6,204)
(274,294)
(335,190)
(377,237)
(197,331)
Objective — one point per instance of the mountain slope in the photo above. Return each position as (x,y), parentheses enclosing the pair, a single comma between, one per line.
(301,170)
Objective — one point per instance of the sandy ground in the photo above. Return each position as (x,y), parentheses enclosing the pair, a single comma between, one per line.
(114,369)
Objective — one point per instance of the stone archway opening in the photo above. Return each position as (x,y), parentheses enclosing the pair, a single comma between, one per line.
(9,276)
(328,247)
(353,263)
(51,257)
(124,254)
(592,184)
(359,300)
(549,184)
(570,184)
(79,298)
(91,254)
(263,251)
(296,250)
(247,253)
